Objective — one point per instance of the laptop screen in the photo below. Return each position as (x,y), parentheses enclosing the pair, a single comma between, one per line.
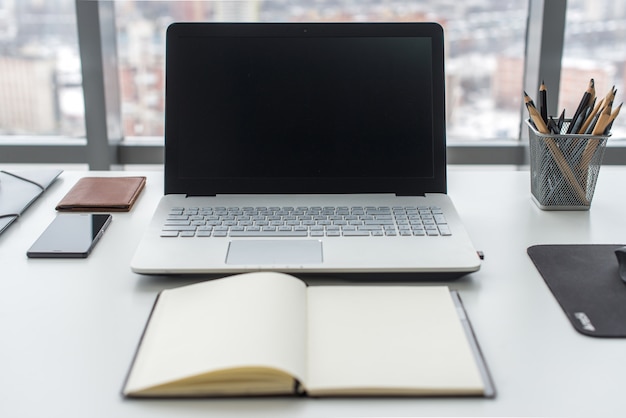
(304,108)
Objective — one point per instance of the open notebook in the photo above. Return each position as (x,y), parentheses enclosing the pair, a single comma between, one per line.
(269,333)
(305,148)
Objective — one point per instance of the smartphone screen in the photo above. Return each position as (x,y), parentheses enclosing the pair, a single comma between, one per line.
(70,235)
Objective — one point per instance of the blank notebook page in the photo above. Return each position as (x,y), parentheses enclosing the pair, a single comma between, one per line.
(364,338)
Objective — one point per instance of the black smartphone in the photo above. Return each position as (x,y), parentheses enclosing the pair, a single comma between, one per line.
(70,235)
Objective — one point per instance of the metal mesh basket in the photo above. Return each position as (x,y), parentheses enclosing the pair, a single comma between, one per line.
(564,168)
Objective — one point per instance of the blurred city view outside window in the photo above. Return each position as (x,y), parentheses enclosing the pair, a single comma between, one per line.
(595,47)
(40,72)
(484,47)
(40,76)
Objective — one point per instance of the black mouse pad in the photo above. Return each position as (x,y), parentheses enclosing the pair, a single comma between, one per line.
(585,281)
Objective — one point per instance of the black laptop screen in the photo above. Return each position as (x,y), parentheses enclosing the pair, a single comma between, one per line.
(301,109)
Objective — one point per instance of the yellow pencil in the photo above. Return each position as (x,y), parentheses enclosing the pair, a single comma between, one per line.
(603,121)
(613,116)
(535,116)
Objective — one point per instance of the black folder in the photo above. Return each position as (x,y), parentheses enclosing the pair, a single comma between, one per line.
(585,281)
(19,189)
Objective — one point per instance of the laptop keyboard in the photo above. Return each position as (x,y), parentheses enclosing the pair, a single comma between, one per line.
(312,221)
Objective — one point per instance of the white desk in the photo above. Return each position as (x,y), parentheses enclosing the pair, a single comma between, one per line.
(69,328)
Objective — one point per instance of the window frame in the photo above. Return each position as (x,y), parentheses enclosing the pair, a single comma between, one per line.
(105,147)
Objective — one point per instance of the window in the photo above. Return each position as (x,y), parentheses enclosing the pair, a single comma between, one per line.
(40,73)
(495,49)
(485,47)
(595,47)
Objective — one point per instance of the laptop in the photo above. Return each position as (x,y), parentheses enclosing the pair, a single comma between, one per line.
(305,148)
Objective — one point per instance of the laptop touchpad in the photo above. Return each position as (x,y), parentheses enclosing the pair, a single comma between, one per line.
(275,252)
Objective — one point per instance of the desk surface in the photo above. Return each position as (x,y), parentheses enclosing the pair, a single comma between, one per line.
(69,328)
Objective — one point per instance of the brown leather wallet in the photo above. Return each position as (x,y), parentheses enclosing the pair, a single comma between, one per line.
(102,194)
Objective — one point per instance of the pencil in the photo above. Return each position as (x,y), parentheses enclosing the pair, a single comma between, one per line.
(553,127)
(590,118)
(587,98)
(603,120)
(612,118)
(561,120)
(610,96)
(593,122)
(543,102)
(528,100)
(535,116)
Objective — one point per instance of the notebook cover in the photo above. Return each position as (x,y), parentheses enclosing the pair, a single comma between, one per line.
(585,281)
(102,194)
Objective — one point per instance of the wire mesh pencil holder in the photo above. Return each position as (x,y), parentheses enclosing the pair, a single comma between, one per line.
(564,168)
